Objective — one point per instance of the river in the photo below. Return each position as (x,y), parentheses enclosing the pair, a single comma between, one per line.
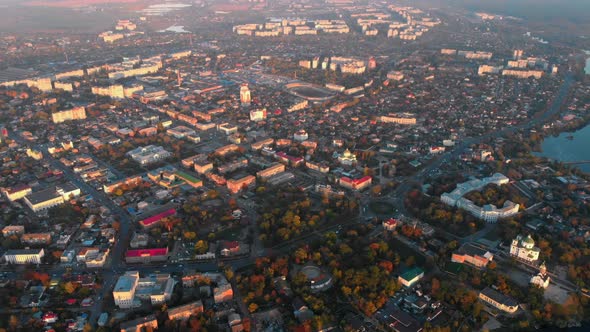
(563,149)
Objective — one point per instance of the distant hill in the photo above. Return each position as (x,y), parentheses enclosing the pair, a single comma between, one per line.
(74,3)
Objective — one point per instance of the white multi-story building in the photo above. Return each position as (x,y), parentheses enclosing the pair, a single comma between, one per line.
(49,198)
(155,287)
(245,96)
(489,212)
(258,115)
(131,289)
(523,73)
(149,154)
(124,291)
(487,69)
(24,256)
(524,248)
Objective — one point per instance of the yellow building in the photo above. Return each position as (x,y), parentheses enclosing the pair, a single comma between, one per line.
(235,185)
(498,300)
(266,173)
(24,256)
(76,113)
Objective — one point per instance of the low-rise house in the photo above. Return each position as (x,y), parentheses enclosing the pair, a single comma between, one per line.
(139,240)
(411,276)
(98,259)
(17,192)
(301,311)
(390,224)
(399,321)
(36,238)
(498,300)
(472,254)
(229,248)
(13,230)
(156,219)
(140,324)
(146,255)
(183,312)
(68,256)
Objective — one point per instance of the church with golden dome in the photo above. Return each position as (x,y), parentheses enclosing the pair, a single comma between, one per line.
(347,158)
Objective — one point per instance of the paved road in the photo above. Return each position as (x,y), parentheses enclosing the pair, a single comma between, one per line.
(100,197)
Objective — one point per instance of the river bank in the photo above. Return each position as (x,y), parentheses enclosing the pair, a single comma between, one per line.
(568,147)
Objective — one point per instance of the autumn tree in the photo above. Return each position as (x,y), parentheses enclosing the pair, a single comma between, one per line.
(70,287)
(201,247)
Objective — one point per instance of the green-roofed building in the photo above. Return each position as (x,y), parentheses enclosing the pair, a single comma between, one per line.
(411,276)
(190,179)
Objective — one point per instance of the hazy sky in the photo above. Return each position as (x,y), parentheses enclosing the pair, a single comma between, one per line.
(566,9)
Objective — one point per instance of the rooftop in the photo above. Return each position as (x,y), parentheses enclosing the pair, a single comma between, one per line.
(126,282)
(147,252)
(499,297)
(411,273)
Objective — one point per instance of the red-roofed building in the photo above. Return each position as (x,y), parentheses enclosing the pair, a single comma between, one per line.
(146,255)
(355,184)
(50,317)
(390,224)
(472,254)
(293,161)
(155,220)
(230,248)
